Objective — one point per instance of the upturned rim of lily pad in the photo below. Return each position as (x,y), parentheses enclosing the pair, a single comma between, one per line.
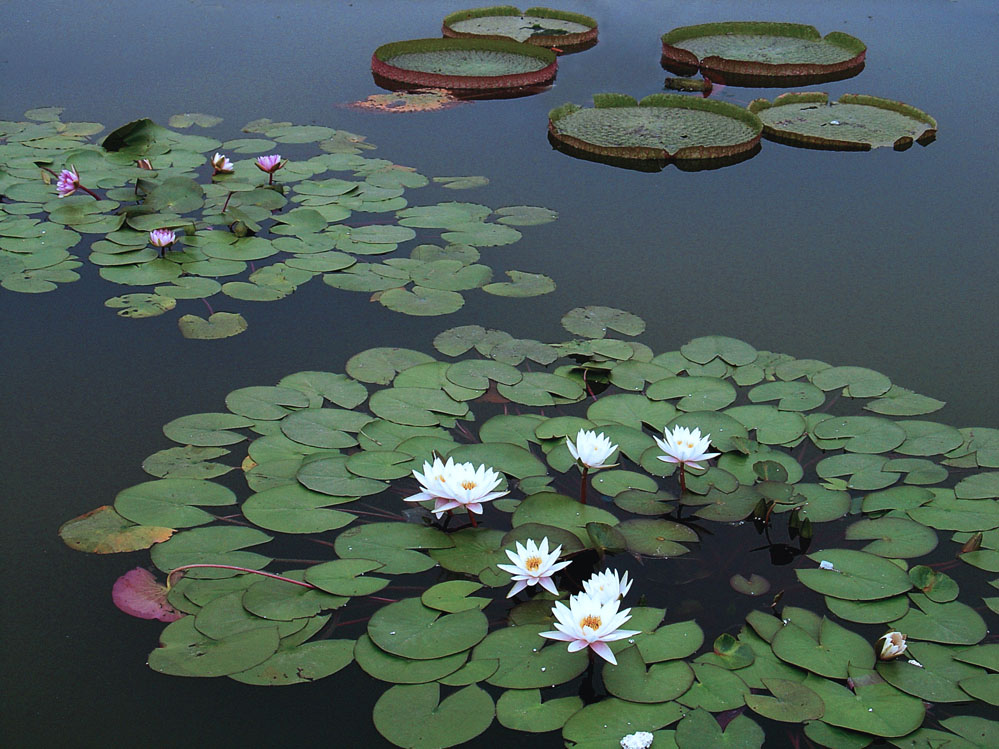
(792,137)
(613,101)
(759,73)
(382,67)
(572,41)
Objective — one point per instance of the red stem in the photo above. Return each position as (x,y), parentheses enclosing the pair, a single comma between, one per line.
(183,567)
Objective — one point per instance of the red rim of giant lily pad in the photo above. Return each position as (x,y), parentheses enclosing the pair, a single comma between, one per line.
(705,129)
(841,55)
(394,62)
(538,38)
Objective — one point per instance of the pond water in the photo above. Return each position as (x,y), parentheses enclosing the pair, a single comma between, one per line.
(884,260)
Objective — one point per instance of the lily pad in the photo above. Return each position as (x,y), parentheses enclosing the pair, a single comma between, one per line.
(413,716)
(661,127)
(856,122)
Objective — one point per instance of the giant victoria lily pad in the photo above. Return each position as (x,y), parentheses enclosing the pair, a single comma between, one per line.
(421,603)
(763,53)
(659,128)
(479,64)
(855,122)
(543,27)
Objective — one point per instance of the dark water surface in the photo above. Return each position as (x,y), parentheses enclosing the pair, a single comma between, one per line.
(883,259)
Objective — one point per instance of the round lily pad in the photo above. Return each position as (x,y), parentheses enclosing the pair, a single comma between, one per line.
(480,64)
(661,127)
(743,52)
(543,27)
(856,122)
(411,630)
(414,716)
(855,575)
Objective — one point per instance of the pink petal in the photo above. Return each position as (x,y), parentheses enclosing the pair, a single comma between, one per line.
(519,586)
(547,584)
(577,645)
(137,593)
(557,636)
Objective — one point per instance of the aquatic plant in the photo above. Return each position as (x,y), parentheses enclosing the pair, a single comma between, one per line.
(903,512)
(760,53)
(544,27)
(235,233)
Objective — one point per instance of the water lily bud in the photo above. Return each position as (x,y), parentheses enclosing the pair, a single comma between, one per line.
(144,164)
(894,645)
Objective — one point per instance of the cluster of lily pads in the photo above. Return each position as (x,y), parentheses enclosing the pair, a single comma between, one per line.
(291,559)
(246,231)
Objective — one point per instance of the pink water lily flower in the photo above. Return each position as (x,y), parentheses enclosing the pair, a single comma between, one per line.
(588,623)
(533,565)
(269,164)
(222,165)
(68,182)
(162,238)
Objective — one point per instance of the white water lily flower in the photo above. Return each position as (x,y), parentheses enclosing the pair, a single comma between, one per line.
(533,565)
(433,482)
(685,447)
(468,487)
(221,164)
(638,740)
(607,586)
(591,449)
(587,623)
(894,645)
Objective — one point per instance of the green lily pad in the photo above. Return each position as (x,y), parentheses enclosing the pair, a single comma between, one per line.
(856,575)
(218,325)
(521,285)
(671,642)
(411,630)
(603,723)
(699,727)
(631,680)
(527,660)
(855,122)
(831,653)
(413,716)
(876,707)
(523,710)
(953,623)
(791,702)
(171,503)
(393,545)
(381,365)
(897,538)
(594,322)
(695,393)
(345,577)
(294,509)
(306,662)
(377,663)
(186,652)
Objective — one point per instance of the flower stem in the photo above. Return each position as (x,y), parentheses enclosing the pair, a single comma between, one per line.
(683,481)
(183,567)
(471,519)
(226,205)
(582,485)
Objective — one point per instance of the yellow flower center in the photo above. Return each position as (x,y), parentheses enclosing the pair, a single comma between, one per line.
(468,485)
(532,564)
(591,621)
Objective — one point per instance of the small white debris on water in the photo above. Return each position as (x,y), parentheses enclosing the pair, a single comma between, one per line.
(391,633)
(639,740)
(833,122)
(544,668)
(824,565)
(917,664)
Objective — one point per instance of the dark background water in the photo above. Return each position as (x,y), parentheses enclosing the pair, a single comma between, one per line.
(881,259)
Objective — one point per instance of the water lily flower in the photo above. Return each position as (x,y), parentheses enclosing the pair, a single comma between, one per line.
(685,447)
(222,165)
(894,645)
(588,623)
(68,182)
(607,586)
(533,565)
(638,740)
(591,449)
(270,164)
(469,487)
(433,483)
(162,238)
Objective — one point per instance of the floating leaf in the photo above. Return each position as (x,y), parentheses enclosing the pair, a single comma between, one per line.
(104,531)
(137,593)
(218,325)
(412,716)
(856,575)
(522,710)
